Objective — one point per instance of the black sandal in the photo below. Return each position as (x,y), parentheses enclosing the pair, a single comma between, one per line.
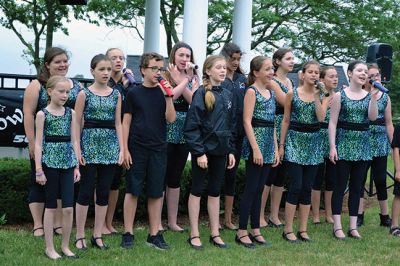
(293,241)
(55,231)
(337,237)
(39,228)
(244,244)
(395,231)
(195,247)
(84,247)
(261,243)
(94,243)
(212,241)
(353,236)
(304,239)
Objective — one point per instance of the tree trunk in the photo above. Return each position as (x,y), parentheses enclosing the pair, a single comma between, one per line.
(50,22)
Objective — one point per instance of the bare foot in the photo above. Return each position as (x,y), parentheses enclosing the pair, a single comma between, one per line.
(230,226)
(175,228)
(105,231)
(263,223)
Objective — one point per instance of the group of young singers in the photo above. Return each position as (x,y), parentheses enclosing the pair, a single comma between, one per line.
(305,136)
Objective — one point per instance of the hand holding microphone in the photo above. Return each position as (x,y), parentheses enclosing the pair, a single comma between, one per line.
(378,86)
(191,65)
(321,87)
(129,76)
(165,86)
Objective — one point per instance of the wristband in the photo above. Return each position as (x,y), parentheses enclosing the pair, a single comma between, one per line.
(39,174)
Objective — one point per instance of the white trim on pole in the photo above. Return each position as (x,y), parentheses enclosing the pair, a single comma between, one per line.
(152,27)
(195,20)
(242,18)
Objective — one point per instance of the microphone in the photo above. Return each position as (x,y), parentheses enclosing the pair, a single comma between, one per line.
(192,65)
(166,86)
(129,76)
(378,86)
(321,87)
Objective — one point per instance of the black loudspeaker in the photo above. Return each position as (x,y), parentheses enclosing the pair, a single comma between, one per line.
(381,54)
(73,2)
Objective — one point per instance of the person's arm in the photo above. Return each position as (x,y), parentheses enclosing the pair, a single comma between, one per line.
(335,108)
(279,94)
(373,104)
(277,158)
(320,110)
(75,145)
(126,125)
(388,120)
(396,163)
(79,107)
(31,96)
(285,123)
(118,128)
(248,110)
(40,177)
(170,113)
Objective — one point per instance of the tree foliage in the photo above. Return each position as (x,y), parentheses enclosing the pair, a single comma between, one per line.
(41,17)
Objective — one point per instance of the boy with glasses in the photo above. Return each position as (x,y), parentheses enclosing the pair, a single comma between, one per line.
(147,112)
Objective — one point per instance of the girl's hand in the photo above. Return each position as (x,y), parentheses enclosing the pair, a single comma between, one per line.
(121,158)
(127,160)
(374,93)
(175,73)
(189,70)
(202,161)
(277,159)
(281,152)
(257,157)
(125,80)
(195,82)
(231,161)
(333,157)
(41,178)
(397,176)
(77,175)
(81,160)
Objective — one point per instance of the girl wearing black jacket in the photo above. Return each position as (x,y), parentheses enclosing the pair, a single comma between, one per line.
(209,131)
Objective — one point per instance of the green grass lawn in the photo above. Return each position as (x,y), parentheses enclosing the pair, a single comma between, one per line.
(18,247)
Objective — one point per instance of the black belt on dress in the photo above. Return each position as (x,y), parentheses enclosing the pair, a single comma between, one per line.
(324,124)
(378,122)
(57,138)
(99,124)
(303,127)
(353,126)
(181,107)
(255,122)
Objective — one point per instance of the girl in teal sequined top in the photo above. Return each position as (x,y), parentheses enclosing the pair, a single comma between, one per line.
(260,148)
(182,75)
(56,162)
(326,171)
(283,62)
(99,107)
(381,134)
(351,111)
(300,146)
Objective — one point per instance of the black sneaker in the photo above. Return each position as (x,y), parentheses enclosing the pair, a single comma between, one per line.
(127,240)
(157,242)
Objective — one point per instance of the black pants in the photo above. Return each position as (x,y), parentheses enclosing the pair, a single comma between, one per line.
(105,174)
(230,174)
(356,171)
(59,181)
(378,174)
(36,191)
(301,178)
(215,171)
(116,182)
(177,155)
(250,202)
(326,172)
(277,176)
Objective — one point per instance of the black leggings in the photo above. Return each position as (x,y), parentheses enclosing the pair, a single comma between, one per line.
(277,176)
(59,181)
(116,182)
(105,174)
(215,170)
(356,171)
(250,202)
(326,172)
(36,191)
(230,174)
(177,155)
(378,174)
(301,178)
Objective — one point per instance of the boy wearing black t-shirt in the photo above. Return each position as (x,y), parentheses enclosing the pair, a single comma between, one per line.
(395,229)
(147,111)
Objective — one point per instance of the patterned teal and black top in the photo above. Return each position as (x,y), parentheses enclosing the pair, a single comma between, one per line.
(56,153)
(303,147)
(279,109)
(380,145)
(175,129)
(324,134)
(353,145)
(44,97)
(100,144)
(264,110)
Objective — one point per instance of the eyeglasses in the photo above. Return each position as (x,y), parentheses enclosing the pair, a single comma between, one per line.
(377,75)
(114,58)
(155,69)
